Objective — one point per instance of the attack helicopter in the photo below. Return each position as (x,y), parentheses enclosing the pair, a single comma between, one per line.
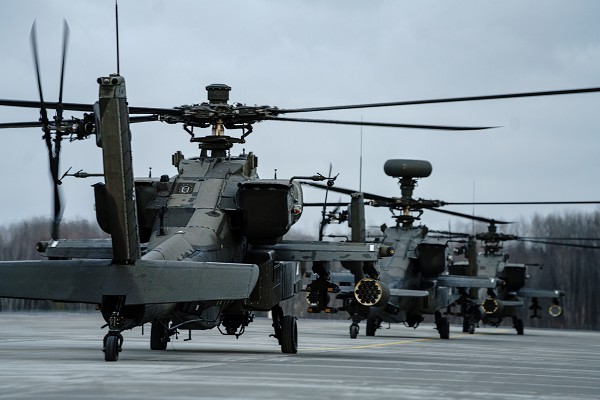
(421,278)
(196,251)
(492,306)
(414,282)
(200,250)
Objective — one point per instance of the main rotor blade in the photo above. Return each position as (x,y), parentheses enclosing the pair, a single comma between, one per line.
(48,105)
(499,203)
(468,216)
(383,124)
(581,246)
(36,61)
(337,189)
(6,125)
(442,100)
(65,43)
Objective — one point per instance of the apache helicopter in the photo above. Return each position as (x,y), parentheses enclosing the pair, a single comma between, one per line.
(195,251)
(507,300)
(413,282)
(417,280)
(212,251)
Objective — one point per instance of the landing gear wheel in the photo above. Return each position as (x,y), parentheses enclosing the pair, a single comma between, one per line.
(354,331)
(443,327)
(372,326)
(159,335)
(468,326)
(111,348)
(519,326)
(289,335)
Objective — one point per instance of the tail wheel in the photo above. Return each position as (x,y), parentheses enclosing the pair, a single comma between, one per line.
(159,335)
(289,335)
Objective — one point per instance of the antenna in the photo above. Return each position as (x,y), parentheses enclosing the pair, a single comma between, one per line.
(361,161)
(473,211)
(117,28)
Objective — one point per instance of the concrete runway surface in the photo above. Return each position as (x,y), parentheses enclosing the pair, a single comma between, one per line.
(58,356)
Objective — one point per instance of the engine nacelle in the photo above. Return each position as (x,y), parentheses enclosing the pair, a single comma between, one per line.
(432,258)
(269,209)
(514,276)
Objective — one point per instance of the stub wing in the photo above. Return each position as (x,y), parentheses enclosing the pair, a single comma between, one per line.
(146,282)
(460,281)
(540,293)
(326,251)
(408,293)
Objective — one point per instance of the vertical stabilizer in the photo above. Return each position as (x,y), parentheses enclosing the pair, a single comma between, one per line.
(115,140)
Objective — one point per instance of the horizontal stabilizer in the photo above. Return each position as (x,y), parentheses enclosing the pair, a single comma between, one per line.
(460,281)
(530,293)
(408,293)
(146,282)
(78,248)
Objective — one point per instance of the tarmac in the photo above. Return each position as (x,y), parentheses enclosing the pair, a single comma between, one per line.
(58,356)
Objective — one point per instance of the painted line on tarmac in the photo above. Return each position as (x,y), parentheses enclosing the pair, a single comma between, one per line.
(370,346)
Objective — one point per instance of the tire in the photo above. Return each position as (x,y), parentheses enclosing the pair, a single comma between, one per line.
(111,349)
(444,328)
(372,326)
(289,335)
(520,326)
(159,336)
(353,331)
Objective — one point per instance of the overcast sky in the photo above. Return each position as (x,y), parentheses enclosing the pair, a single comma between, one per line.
(315,53)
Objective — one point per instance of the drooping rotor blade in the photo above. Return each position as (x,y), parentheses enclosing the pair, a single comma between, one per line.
(65,44)
(596,239)
(52,150)
(501,203)
(33,124)
(442,100)
(580,246)
(468,216)
(49,105)
(41,105)
(143,118)
(335,204)
(383,124)
(337,189)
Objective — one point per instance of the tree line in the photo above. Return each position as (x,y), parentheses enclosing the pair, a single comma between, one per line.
(573,270)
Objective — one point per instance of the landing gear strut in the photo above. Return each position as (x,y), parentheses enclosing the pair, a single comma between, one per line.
(286,330)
